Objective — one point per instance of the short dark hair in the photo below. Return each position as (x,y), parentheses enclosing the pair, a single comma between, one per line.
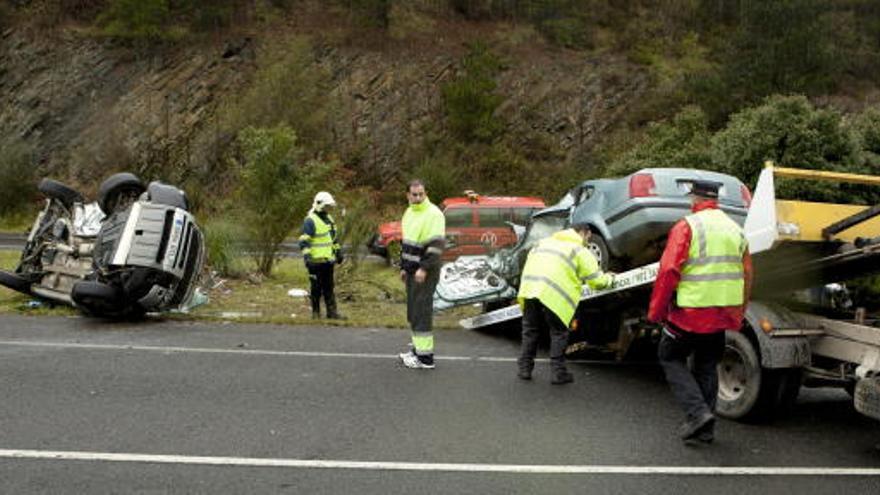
(414,183)
(582,226)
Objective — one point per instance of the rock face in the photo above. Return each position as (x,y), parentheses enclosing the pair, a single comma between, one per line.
(88,107)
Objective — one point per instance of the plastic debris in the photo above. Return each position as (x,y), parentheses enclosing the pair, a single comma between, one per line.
(298,293)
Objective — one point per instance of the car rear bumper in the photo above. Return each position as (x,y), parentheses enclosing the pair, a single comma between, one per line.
(643,221)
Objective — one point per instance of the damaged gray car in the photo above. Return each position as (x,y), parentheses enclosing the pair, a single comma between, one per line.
(136,249)
(630,218)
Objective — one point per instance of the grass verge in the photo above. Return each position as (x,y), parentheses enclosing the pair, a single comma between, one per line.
(370,294)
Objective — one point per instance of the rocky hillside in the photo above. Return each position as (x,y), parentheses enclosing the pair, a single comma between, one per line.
(88,105)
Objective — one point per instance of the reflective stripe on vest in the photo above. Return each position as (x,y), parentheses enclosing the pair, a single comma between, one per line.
(423,226)
(555,271)
(713,273)
(321,244)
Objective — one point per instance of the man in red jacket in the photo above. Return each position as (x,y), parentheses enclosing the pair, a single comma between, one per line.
(702,289)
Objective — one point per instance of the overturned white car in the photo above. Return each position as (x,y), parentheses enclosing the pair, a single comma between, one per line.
(136,249)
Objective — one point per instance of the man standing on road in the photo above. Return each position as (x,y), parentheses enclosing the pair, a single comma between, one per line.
(320,250)
(424,237)
(549,292)
(702,289)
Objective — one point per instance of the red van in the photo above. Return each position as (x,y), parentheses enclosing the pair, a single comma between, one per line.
(474,225)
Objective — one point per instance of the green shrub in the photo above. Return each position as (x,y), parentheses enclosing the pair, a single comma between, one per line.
(375,13)
(782,46)
(792,133)
(470,99)
(277,185)
(18,178)
(224,242)
(684,142)
(290,89)
(137,19)
(570,32)
(442,177)
(866,127)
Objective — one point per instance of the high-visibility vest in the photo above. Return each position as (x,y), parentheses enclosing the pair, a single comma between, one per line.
(713,273)
(322,246)
(555,271)
(422,224)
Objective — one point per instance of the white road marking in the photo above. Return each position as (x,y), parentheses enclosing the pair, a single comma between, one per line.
(441,467)
(263,352)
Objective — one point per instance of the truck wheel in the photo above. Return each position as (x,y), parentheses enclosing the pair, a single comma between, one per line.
(119,191)
(63,193)
(748,392)
(739,377)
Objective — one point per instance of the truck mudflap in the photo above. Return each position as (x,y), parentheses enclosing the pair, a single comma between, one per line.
(866,397)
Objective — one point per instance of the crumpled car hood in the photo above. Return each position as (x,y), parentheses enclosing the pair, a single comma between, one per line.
(495,277)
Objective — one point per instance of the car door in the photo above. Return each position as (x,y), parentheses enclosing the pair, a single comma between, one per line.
(495,231)
(461,231)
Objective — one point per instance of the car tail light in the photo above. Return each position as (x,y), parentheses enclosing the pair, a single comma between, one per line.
(746,195)
(641,185)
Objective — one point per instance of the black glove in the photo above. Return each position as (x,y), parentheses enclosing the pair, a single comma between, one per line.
(308,260)
(339,258)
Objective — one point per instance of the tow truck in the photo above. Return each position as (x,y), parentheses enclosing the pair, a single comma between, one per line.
(795,245)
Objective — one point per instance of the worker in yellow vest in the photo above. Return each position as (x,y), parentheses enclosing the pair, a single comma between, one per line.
(549,292)
(321,251)
(424,238)
(701,291)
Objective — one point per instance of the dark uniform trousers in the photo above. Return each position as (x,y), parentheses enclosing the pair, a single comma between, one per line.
(695,390)
(420,301)
(536,317)
(321,284)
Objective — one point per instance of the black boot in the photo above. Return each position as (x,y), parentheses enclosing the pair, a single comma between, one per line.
(332,313)
(316,309)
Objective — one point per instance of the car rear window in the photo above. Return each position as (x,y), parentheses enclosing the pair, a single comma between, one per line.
(458,217)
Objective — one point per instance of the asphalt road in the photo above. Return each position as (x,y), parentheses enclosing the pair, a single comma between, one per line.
(168,407)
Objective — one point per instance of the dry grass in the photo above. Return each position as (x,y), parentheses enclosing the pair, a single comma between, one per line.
(370,295)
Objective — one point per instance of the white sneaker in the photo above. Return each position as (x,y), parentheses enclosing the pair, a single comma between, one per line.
(410,360)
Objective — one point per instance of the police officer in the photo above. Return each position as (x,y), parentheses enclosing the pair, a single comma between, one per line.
(549,292)
(701,290)
(321,252)
(424,237)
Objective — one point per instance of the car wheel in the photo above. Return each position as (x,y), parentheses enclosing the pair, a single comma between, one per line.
(63,193)
(599,248)
(97,298)
(119,191)
(15,282)
(164,194)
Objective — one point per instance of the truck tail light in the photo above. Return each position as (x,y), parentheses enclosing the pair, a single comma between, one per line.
(746,195)
(641,185)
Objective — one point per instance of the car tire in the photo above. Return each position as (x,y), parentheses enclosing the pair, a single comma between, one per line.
(164,194)
(15,282)
(97,298)
(599,248)
(116,188)
(63,193)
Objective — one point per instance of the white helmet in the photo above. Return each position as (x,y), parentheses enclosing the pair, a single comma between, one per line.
(323,199)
